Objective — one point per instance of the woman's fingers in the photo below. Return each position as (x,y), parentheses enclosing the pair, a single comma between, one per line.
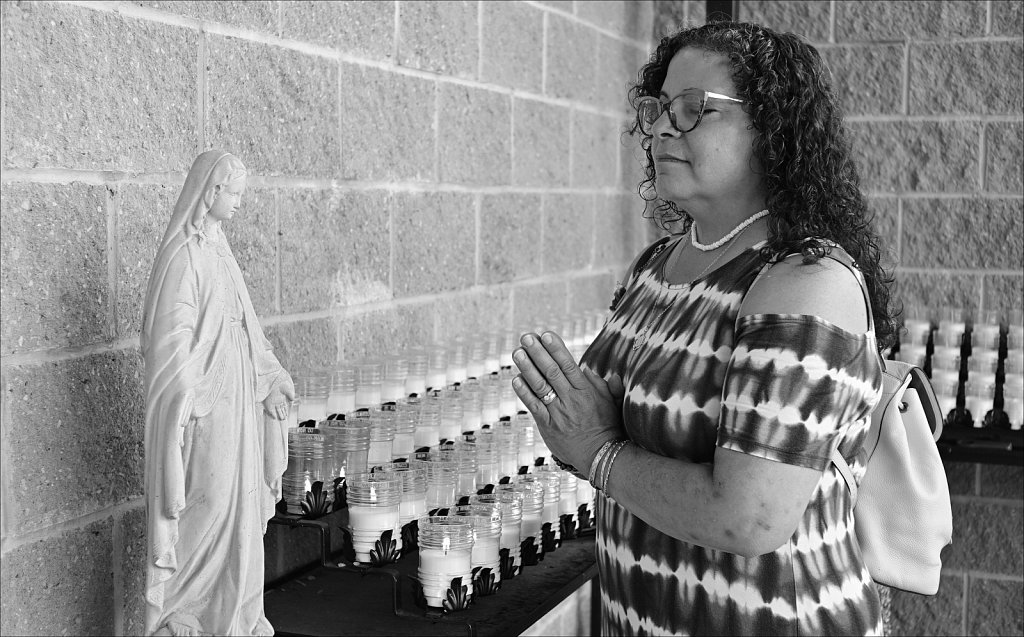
(530,399)
(541,367)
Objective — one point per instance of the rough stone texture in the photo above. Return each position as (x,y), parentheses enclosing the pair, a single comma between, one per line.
(259,15)
(512,49)
(532,302)
(616,231)
(617,69)
(571,52)
(79,437)
(917,156)
(962,478)
(610,15)
(939,615)
(632,163)
(1003,292)
(510,232)
(387,331)
(140,84)
(879,20)
(989,537)
(387,125)
(1007,17)
(335,248)
(568,232)
(942,233)
(995,607)
(366,29)
(591,292)
(274,108)
(934,289)
(1004,157)
(885,219)
(304,344)
(474,132)
(1002,481)
(966,78)
(808,19)
(53,284)
(434,244)
(540,144)
(594,143)
(133,571)
(473,314)
(426,41)
(60,585)
(669,16)
(561,5)
(868,80)
(252,235)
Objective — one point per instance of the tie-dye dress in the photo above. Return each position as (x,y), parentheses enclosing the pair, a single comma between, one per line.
(789,388)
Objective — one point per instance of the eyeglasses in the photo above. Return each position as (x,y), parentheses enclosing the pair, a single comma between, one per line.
(684,110)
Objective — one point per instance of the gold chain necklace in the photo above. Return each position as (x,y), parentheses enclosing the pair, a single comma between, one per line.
(641,338)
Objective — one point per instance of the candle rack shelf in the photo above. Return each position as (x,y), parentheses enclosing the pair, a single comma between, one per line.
(332,595)
(985,445)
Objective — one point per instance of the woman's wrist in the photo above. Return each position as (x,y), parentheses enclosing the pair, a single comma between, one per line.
(601,467)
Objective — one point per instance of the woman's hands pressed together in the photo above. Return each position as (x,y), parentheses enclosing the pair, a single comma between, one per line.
(575,409)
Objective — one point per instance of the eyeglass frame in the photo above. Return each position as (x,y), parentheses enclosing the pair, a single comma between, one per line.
(667,108)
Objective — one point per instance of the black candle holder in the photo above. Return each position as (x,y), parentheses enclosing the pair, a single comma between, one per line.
(385,550)
(567,526)
(508,564)
(316,505)
(528,551)
(410,536)
(457,598)
(583,515)
(548,541)
(484,582)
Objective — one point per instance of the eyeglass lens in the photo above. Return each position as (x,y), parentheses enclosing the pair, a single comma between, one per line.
(684,112)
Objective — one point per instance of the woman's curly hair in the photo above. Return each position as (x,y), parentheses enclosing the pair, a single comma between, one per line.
(801,143)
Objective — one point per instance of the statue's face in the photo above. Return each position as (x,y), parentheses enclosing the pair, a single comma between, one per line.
(227,201)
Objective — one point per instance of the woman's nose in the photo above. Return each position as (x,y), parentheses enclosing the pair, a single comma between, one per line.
(663,127)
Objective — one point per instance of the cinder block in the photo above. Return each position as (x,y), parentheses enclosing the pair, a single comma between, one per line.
(133,571)
(616,231)
(143,213)
(540,139)
(595,141)
(425,37)
(669,17)
(868,80)
(510,232)
(53,284)
(963,233)
(366,29)
(571,51)
(1002,481)
(808,19)
(962,478)
(274,108)
(387,125)
(591,292)
(632,162)
(335,248)
(60,585)
(935,289)
(475,136)
(1003,292)
(1007,18)
(995,607)
(917,156)
(512,49)
(640,20)
(253,235)
(389,331)
(697,11)
(617,71)
(885,222)
(435,243)
(534,302)
(301,345)
(79,437)
(941,614)
(258,15)
(472,314)
(986,537)
(568,232)
(1004,157)
(966,78)
(610,15)
(68,104)
(879,20)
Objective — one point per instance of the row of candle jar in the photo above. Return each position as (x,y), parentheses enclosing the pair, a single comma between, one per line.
(985,331)
(371,382)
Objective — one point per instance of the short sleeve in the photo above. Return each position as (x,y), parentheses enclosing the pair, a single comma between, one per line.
(793,387)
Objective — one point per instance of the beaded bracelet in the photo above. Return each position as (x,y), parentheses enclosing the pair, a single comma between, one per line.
(607,469)
(567,467)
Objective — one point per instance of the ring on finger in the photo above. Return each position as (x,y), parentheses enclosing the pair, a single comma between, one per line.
(549,397)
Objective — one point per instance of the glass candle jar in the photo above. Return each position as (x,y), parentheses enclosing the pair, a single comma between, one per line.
(416,379)
(374,502)
(490,401)
(946,385)
(428,425)
(527,446)
(913,354)
(437,367)
(533,493)
(342,396)
(946,358)
(1013,400)
(446,552)
(464,455)
(413,504)
(476,352)
(382,437)
(982,361)
(451,417)
(507,438)
(394,374)
(404,443)
(305,466)
(486,523)
(442,477)
(567,504)
(511,520)
(979,394)
(350,445)
(472,407)
(312,389)
(457,362)
(917,332)
(551,478)
(369,373)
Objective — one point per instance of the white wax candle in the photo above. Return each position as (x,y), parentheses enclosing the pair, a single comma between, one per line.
(372,518)
(436,379)
(439,562)
(490,414)
(403,445)
(413,506)
(1014,408)
(551,511)
(978,406)
(380,452)
(368,396)
(392,390)
(567,504)
(507,406)
(341,402)
(531,525)
(486,551)
(946,404)
(415,384)
(510,535)
(467,484)
(427,436)
(312,409)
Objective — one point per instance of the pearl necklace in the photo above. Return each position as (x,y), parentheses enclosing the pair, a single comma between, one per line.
(721,242)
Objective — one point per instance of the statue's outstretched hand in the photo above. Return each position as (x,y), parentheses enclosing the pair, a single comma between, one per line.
(278,402)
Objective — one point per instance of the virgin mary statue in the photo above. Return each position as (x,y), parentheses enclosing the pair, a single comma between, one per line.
(214,456)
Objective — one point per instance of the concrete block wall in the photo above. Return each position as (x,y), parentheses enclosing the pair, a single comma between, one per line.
(934,97)
(418,170)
